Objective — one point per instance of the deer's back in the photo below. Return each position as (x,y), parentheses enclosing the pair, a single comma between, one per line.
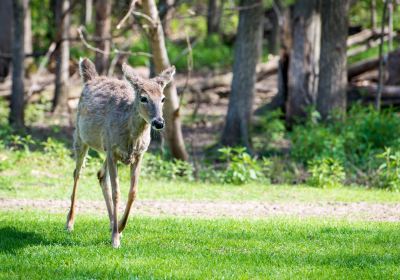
(104,108)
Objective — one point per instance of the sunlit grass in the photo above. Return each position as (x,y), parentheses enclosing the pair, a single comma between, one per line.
(38,175)
(34,245)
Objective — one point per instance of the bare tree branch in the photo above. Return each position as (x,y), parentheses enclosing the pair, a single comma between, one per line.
(131,8)
(113,51)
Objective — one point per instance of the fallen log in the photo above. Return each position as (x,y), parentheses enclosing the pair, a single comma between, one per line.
(360,37)
(369,44)
(370,91)
(361,67)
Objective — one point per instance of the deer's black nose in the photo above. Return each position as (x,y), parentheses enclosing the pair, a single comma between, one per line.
(158,123)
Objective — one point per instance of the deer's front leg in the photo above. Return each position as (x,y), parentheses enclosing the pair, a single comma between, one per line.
(135,170)
(112,165)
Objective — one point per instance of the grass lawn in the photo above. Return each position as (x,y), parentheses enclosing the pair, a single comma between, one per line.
(32,176)
(34,245)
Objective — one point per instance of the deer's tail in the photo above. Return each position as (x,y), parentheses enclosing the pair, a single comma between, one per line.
(87,70)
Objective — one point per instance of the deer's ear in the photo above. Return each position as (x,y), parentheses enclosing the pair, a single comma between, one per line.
(131,76)
(165,77)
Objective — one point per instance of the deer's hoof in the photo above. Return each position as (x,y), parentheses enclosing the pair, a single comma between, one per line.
(116,243)
(69,226)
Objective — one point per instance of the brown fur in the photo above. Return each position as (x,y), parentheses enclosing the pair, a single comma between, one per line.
(113,118)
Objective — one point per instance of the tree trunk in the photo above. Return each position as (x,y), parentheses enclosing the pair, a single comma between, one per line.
(214,14)
(304,59)
(166,9)
(60,102)
(373,16)
(28,36)
(284,58)
(16,117)
(273,21)
(333,62)
(103,35)
(394,68)
(246,55)
(161,61)
(6,21)
(87,13)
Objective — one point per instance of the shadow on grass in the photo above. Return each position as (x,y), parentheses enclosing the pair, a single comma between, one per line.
(12,239)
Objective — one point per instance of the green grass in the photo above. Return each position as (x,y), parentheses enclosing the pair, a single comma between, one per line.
(34,245)
(39,175)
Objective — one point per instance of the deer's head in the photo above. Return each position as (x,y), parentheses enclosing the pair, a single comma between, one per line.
(149,94)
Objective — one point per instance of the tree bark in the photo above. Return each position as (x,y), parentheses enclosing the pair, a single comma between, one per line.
(60,101)
(284,58)
(166,9)
(246,55)
(28,36)
(214,14)
(304,59)
(16,117)
(274,21)
(6,22)
(373,16)
(87,13)
(161,61)
(103,35)
(333,62)
(393,68)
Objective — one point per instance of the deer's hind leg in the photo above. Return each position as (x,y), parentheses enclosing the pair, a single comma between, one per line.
(112,168)
(104,179)
(80,154)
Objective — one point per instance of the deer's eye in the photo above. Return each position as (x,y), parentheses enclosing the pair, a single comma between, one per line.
(144,99)
(163,100)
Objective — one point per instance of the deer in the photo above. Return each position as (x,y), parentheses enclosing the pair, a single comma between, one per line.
(115,117)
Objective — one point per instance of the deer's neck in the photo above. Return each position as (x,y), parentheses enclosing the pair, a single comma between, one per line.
(138,127)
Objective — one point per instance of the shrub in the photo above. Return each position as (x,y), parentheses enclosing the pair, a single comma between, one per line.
(311,142)
(355,141)
(273,125)
(367,132)
(25,142)
(326,172)
(241,168)
(56,149)
(157,167)
(389,171)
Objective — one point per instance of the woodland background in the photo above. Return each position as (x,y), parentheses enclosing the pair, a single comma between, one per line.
(300,91)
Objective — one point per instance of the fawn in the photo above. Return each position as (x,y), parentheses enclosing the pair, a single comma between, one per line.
(115,117)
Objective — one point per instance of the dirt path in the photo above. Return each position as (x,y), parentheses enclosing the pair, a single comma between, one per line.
(204,209)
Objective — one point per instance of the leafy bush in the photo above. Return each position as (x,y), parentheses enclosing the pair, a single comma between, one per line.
(21,142)
(241,168)
(155,166)
(311,142)
(273,125)
(326,173)
(367,132)
(389,171)
(56,149)
(356,140)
